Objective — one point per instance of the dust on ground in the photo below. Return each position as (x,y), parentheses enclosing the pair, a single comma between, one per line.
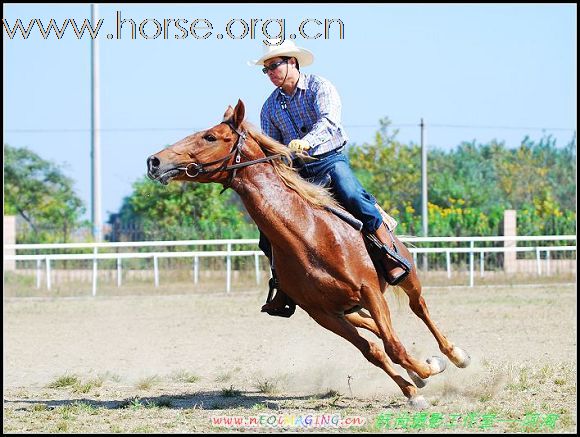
(175,363)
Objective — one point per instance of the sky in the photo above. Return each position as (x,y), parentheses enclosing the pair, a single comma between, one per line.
(471,72)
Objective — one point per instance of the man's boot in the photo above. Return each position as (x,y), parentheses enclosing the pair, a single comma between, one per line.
(281,305)
(395,265)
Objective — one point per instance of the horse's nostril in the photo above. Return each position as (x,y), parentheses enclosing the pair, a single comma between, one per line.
(152,162)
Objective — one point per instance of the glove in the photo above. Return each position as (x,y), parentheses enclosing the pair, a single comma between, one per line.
(298,145)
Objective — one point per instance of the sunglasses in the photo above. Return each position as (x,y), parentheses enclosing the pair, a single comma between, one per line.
(273,66)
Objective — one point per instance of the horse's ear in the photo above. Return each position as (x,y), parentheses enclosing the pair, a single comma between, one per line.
(239,113)
(229,113)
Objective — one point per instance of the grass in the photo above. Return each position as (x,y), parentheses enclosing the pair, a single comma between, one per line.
(66,380)
(230,392)
(109,376)
(559,381)
(267,386)
(185,377)
(87,386)
(143,429)
(517,379)
(498,390)
(116,429)
(147,382)
(132,403)
(76,384)
(62,426)
(331,393)
(225,376)
(259,407)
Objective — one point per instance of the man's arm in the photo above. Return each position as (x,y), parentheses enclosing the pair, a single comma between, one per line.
(328,110)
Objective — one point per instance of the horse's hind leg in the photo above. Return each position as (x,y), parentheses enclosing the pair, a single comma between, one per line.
(371,351)
(412,287)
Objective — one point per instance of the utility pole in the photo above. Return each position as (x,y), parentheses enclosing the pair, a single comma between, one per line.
(424,217)
(95,134)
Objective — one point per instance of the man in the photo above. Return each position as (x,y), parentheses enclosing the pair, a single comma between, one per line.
(304,112)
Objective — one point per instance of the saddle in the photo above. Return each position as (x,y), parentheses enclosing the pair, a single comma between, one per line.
(376,249)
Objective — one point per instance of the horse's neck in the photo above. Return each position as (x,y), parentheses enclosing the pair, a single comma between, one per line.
(277,209)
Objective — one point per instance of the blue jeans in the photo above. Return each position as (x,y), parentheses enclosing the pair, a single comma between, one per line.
(334,170)
(345,188)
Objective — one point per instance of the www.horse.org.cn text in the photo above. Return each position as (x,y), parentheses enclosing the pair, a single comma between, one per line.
(272,31)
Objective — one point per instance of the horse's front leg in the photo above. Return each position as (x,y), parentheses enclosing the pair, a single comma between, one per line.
(362,320)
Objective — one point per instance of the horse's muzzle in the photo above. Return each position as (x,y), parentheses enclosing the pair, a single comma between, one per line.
(157,173)
(152,166)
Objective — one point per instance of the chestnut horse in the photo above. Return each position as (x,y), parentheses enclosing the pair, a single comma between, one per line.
(321,261)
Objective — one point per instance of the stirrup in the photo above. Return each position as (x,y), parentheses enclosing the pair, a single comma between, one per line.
(392,255)
(286,312)
(289,306)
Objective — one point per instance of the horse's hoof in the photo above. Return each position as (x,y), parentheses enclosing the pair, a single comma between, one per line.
(459,357)
(417,403)
(419,382)
(437,365)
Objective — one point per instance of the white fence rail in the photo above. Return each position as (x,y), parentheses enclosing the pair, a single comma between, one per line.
(229,253)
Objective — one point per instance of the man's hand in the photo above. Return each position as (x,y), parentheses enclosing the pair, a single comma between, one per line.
(298,145)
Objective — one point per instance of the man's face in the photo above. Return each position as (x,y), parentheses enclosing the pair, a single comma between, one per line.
(279,74)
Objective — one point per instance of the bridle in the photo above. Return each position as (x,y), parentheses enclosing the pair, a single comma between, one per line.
(195,169)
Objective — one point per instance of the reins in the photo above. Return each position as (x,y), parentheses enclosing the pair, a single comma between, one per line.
(236,153)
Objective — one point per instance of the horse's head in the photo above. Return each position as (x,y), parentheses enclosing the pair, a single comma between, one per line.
(204,155)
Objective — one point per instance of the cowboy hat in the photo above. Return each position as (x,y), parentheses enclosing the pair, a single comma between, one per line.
(287,48)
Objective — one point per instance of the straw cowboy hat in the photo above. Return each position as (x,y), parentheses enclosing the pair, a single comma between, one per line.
(287,48)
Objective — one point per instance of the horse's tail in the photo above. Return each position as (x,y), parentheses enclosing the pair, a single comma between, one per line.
(399,294)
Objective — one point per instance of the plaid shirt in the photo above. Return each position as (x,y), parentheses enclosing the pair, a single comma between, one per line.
(311,114)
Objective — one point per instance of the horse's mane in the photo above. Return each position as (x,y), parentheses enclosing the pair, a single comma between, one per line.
(313,194)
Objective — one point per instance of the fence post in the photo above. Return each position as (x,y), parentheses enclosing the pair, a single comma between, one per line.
(547,262)
(195,269)
(481,263)
(95,250)
(118,272)
(538,261)
(257,264)
(9,238)
(48,284)
(471,246)
(448,259)
(38,263)
(510,264)
(228,269)
(155,271)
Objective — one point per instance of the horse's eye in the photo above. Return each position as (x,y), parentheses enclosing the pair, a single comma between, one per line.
(210,138)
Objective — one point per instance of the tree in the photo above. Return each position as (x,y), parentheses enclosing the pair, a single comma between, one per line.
(469,173)
(181,211)
(38,191)
(469,187)
(389,170)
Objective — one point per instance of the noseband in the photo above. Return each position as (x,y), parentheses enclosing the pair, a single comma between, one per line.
(195,169)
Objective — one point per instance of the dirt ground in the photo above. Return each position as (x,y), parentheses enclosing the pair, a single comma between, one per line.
(194,363)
